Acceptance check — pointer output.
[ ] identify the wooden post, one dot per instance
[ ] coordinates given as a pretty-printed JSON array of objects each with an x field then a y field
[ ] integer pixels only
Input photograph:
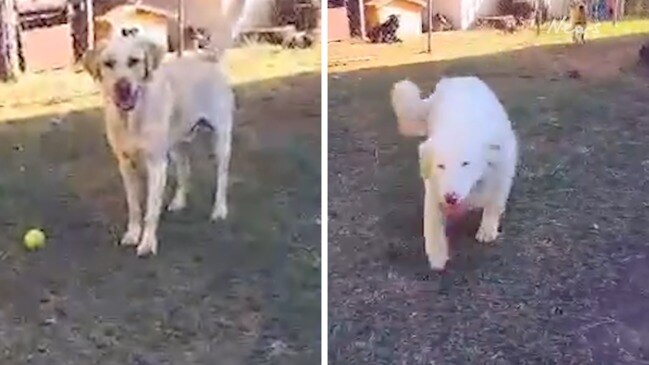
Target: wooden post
[
  {"x": 9, "y": 60},
  {"x": 361, "y": 17},
  {"x": 616, "y": 12},
  {"x": 537, "y": 16},
  {"x": 430, "y": 26},
  {"x": 90, "y": 21},
  {"x": 181, "y": 27}
]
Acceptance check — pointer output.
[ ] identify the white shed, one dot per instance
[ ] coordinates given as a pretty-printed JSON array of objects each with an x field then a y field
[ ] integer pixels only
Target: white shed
[
  {"x": 463, "y": 13},
  {"x": 408, "y": 11}
]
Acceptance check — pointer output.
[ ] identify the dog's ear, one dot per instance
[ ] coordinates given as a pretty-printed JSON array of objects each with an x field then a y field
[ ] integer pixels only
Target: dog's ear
[
  {"x": 90, "y": 61},
  {"x": 103, "y": 30},
  {"x": 425, "y": 160},
  {"x": 153, "y": 55}
]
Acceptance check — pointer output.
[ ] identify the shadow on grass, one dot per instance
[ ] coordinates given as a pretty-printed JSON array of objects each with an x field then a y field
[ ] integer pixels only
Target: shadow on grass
[
  {"x": 244, "y": 290},
  {"x": 560, "y": 285}
]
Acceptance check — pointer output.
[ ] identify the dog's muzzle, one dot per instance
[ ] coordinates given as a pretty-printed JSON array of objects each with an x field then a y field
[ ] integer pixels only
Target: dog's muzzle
[
  {"x": 125, "y": 95},
  {"x": 453, "y": 206}
]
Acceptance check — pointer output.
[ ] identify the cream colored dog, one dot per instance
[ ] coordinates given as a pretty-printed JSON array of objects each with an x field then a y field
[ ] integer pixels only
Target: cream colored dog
[
  {"x": 468, "y": 159},
  {"x": 152, "y": 110}
]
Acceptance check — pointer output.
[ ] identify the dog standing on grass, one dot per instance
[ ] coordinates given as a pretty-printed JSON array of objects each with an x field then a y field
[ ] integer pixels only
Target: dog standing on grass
[
  {"x": 468, "y": 160},
  {"x": 152, "y": 109},
  {"x": 578, "y": 22}
]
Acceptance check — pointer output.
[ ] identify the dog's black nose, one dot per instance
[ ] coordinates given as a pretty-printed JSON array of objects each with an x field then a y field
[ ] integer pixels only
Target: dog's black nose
[
  {"x": 451, "y": 198},
  {"x": 122, "y": 88}
]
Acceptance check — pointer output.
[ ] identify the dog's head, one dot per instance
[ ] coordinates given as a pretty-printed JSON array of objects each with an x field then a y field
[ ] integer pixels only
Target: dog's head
[
  {"x": 579, "y": 6},
  {"x": 455, "y": 165},
  {"x": 122, "y": 65},
  {"x": 393, "y": 20}
]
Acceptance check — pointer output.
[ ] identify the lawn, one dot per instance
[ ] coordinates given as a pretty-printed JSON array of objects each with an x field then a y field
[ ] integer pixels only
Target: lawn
[
  {"x": 564, "y": 283},
  {"x": 242, "y": 291}
]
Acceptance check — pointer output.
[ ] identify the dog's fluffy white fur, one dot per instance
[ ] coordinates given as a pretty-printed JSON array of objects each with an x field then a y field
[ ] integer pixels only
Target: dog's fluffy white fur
[
  {"x": 469, "y": 157},
  {"x": 152, "y": 110}
]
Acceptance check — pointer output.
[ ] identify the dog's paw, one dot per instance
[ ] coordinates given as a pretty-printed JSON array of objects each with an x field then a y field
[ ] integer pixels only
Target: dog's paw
[
  {"x": 219, "y": 212},
  {"x": 487, "y": 233},
  {"x": 132, "y": 236},
  {"x": 148, "y": 245},
  {"x": 179, "y": 202},
  {"x": 437, "y": 262}
]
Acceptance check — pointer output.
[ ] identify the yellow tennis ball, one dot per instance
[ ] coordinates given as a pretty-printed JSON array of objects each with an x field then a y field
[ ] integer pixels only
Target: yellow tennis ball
[{"x": 34, "y": 239}]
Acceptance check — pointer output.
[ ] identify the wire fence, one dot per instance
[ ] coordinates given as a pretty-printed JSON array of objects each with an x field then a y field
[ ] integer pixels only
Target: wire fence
[
  {"x": 514, "y": 14},
  {"x": 636, "y": 9},
  {"x": 302, "y": 14}
]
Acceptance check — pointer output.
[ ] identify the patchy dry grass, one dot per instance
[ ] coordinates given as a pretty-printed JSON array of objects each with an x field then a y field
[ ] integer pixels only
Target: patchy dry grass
[
  {"x": 245, "y": 290},
  {"x": 564, "y": 283}
]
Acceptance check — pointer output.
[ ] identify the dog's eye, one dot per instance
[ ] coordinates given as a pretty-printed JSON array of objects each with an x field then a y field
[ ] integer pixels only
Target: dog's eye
[
  {"x": 128, "y": 32},
  {"x": 465, "y": 163},
  {"x": 441, "y": 166},
  {"x": 109, "y": 64},
  {"x": 132, "y": 61}
]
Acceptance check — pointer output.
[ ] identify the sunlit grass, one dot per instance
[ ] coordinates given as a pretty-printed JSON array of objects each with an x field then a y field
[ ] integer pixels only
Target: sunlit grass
[
  {"x": 346, "y": 56},
  {"x": 61, "y": 91}
]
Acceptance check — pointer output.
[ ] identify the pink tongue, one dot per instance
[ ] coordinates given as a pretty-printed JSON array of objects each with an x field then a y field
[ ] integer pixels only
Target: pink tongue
[
  {"x": 455, "y": 211},
  {"x": 125, "y": 97}
]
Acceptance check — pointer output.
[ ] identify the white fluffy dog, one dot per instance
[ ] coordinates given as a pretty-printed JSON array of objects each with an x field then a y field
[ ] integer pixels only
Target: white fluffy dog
[
  {"x": 468, "y": 159},
  {"x": 152, "y": 109}
]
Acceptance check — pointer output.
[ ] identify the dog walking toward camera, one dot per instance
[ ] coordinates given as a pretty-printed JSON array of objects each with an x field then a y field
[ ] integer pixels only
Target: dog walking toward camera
[
  {"x": 152, "y": 109},
  {"x": 578, "y": 22},
  {"x": 468, "y": 160}
]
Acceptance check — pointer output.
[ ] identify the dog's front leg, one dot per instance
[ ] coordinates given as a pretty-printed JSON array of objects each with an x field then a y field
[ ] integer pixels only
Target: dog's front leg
[
  {"x": 223, "y": 146},
  {"x": 133, "y": 188},
  {"x": 180, "y": 159},
  {"x": 157, "y": 178},
  {"x": 492, "y": 210},
  {"x": 436, "y": 243},
  {"x": 488, "y": 231},
  {"x": 498, "y": 189}
]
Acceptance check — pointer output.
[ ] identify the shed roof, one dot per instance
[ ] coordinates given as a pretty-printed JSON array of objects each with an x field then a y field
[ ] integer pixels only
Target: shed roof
[{"x": 382, "y": 3}]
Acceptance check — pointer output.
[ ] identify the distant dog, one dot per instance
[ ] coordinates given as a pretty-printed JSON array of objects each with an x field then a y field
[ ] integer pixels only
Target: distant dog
[
  {"x": 385, "y": 32},
  {"x": 439, "y": 23},
  {"x": 468, "y": 159},
  {"x": 578, "y": 22},
  {"x": 206, "y": 27},
  {"x": 152, "y": 110},
  {"x": 644, "y": 54}
]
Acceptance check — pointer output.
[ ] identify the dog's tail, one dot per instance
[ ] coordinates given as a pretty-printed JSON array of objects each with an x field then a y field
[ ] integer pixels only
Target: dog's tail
[
  {"x": 220, "y": 22},
  {"x": 410, "y": 108}
]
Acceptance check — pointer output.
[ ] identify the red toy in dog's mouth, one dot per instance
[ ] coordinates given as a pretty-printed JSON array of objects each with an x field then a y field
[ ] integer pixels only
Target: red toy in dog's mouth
[
  {"x": 125, "y": 95},
  {"x": 454, "y": 211}
]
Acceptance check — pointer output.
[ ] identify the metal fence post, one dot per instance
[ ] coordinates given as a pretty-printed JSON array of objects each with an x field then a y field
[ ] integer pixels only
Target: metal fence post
[
  {"x": 537, "y": 16},
  {"x": 181, "y": 27},
  {"x": 361, "y": 17},
  {"x": 90, "y": 20},
  {"x": 430, "y": 26}
]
